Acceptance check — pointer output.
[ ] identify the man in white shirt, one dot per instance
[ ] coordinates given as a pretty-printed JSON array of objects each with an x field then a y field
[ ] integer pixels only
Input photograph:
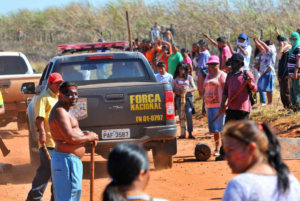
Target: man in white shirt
[
  {"x": 163, "y": 75},
  {"x": 156, "y": 28}
]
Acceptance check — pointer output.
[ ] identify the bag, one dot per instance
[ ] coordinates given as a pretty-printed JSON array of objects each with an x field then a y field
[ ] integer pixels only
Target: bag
[{"x": 252, "y": 99}]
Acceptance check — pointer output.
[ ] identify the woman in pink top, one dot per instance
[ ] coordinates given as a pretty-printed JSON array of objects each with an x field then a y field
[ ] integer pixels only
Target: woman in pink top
[
  {"x": 187, "y": 60},
  {"x": 213, "y": 90}
]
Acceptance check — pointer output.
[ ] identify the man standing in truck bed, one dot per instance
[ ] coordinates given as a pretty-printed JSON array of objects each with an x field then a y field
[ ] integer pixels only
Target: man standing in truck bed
[
  {"x": 43, "y": 107},
  {"x": 67, "y": 170}
]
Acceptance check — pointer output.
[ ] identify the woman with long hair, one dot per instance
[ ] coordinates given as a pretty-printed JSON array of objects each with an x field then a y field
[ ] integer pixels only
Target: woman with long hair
[
  {"x": 182, "y": 78},
  {"x": 213, "y": 91},
  {"x": 128, "y": 168},
  {"x": 253, "y": 151}
]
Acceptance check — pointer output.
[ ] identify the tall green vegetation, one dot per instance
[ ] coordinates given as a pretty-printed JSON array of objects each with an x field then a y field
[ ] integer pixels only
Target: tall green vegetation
[{"x": 191, "y": 17}]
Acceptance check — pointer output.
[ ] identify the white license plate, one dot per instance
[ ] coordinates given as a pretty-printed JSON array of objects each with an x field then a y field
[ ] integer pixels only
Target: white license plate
[{"x": 116, "y": 134}]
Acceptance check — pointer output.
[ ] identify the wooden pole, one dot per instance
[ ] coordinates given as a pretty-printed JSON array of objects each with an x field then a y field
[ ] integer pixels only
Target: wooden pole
[
  {"x": 92, "y": 172},
  {"x": 129, "y": 34}
]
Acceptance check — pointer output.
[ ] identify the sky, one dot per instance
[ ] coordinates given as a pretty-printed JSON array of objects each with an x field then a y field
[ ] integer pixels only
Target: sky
[{"x": 8, "y": 6}]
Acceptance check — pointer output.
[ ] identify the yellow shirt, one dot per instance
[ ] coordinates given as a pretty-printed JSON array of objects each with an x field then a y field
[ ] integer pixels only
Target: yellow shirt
[
  {"x": 1, "y": 100},
  {"x": 43, "y": 107}
]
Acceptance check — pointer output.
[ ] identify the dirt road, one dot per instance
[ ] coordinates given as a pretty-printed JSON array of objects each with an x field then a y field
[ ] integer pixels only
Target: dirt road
[{"x": 187, "y": 180}]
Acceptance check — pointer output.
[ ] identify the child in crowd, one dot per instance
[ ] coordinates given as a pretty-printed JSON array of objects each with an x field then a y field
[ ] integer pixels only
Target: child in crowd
[{"x": 182, "y": 78}]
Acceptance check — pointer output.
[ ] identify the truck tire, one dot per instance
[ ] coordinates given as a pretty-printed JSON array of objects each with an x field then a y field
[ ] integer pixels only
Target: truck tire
[
  {"x": 162, "y": 161},
  {"x": 34, "y": 157}
]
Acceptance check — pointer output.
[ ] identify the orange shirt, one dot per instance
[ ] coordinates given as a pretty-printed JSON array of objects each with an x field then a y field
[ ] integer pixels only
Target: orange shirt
[
  {"x": 150, "y": 55},
  {"x": 165, "y": 60},
  {"x": 169, "y": 35},
  {"x": 158, "y": 49}
]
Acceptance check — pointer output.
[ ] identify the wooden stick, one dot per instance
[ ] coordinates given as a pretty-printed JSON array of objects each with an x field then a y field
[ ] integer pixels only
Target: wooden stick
[
  {"x": 92, "y": 172},
  {"x": 47, "y": 153},
  {"x": 129, "y": 34}
]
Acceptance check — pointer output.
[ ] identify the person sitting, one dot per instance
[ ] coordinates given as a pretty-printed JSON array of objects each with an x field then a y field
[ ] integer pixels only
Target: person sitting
[
  {"x": 70, "y": 74},
  {"x": 120, "y": 71},
  {"x": 253, "y": 151},
  {"x": 128, "y": 168}
]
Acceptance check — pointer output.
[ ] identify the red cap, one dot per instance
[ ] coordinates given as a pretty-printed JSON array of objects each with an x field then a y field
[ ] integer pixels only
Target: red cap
[{"x": 55, "y": 77}]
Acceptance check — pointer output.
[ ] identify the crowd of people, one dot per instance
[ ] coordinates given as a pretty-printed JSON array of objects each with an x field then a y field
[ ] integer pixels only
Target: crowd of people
[
  {"x": 227, "y": 89},
  {"x": 234, "y": 76}
]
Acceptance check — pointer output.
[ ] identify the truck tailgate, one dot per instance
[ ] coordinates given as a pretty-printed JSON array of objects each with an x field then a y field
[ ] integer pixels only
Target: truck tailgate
[{"x": 127, "y": 105}]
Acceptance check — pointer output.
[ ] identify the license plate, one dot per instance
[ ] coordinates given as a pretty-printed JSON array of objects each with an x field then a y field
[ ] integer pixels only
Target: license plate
[{"x": 116, "y": 134}]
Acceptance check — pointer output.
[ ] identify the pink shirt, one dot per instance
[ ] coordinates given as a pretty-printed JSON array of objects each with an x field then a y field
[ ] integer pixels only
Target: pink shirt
[
  {"x": 214, "y": 90},
  {"x": 233, "y": 84},
  {"x": 226, "y": 53},
  {"x": 187, "y": 60}
]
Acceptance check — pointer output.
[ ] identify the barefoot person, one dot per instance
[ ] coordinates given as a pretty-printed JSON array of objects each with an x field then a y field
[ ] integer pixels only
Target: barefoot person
[
  {"x": 70, "y": 142},
  {"x": 43, "y": 106}
]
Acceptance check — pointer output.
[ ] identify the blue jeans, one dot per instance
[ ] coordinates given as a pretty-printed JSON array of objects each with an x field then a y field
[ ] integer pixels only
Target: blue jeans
[
  {"x": 67, "y": 172},
  {"x": 42, "y": 177},
  {"x": 262, "y": 97},
  {"x": 188, "y": 113}
]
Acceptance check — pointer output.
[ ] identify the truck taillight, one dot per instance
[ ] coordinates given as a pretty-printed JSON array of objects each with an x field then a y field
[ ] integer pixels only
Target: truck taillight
[{"x": 169, "y": 100}]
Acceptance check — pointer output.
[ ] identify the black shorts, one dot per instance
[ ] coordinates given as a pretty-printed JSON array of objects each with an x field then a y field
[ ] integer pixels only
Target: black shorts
[{"x": 236, "y": 115}]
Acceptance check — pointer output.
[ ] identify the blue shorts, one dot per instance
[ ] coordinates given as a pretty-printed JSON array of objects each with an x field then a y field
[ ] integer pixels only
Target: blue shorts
[
  {"x": 266, "y": 82},
  {"x": 217, "y": 126},
  {"x": 67, "y": 172}
]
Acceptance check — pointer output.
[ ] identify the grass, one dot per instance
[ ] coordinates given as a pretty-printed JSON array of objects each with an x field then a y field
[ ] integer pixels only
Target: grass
[{"x": 81, "y": 22}]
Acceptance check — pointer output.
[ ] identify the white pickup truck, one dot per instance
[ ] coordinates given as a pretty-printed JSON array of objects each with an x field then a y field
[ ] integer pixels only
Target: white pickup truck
[{"x": 15, "y": 69}]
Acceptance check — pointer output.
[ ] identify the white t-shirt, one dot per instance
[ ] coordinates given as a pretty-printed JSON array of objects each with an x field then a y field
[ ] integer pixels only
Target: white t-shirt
[
  {"x": 258, "y": 187},
  {"x": 157, "y": 30},
  {"x": 247, "y": 58}
]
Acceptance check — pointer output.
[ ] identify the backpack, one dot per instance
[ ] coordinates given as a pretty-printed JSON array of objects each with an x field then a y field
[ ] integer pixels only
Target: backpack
[{"x": 252, "y": 99}]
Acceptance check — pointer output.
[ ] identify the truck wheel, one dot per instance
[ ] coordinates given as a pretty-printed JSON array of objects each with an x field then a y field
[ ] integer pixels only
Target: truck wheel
[
  {"x": 163, "y": 161},
  {"x": 34, "y": 157}
]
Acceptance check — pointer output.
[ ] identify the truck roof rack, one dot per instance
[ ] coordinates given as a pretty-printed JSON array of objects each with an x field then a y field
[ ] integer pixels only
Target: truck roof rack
[{"x": 80, "y": 47}]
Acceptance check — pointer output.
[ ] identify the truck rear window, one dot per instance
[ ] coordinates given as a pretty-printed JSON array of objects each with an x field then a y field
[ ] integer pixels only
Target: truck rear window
[
  {"x": 12, "y": 65},
  {"x": 104, "y": 71}
]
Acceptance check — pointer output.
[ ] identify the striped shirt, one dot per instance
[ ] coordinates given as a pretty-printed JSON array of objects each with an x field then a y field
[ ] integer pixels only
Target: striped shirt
[{"x": 293, "y": 61}]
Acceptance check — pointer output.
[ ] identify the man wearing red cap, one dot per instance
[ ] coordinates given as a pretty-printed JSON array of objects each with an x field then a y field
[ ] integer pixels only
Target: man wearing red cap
[{"x": 43, "y": 107}]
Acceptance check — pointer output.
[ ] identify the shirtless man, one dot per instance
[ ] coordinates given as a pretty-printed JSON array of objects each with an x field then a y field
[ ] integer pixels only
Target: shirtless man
[{"x": 70, "y": 142}]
